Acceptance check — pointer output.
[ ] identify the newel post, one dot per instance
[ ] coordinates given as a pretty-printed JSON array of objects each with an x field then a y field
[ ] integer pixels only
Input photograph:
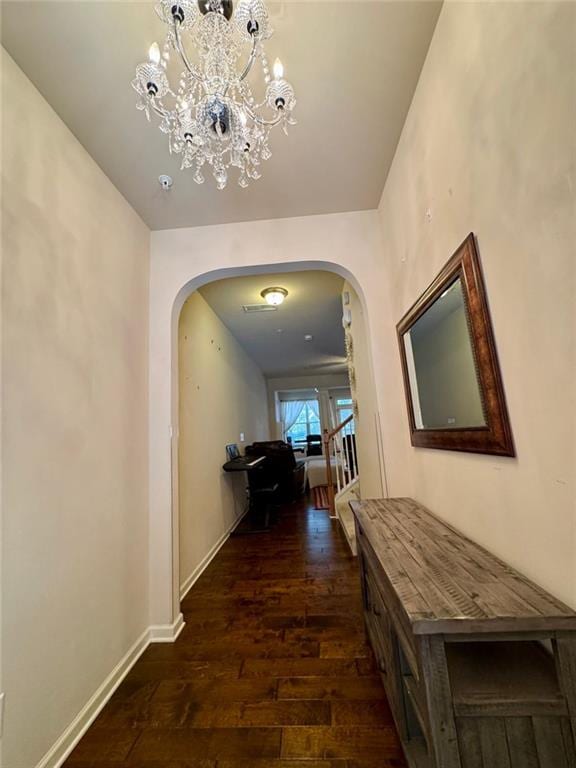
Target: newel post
[{"x": 329, "y": 481}]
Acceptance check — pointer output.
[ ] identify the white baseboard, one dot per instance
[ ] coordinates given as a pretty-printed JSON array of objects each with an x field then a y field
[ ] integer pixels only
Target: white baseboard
[
  {"x": 199, "y": 570},
  {"x": 58, "y": 753},
  {"x": 163, "y": 633},
  {"x": 78, "y": 727},
  {"x": 166, "y": 633}
]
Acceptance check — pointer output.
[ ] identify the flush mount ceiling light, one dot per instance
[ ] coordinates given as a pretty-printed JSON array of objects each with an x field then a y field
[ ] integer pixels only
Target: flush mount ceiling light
[
  {"x": 274, "y": 296},
  {"x": 212, "y": 115}
]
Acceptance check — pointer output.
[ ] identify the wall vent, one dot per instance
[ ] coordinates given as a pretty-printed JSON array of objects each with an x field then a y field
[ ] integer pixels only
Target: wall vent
[{"x": 258, "y": 308}]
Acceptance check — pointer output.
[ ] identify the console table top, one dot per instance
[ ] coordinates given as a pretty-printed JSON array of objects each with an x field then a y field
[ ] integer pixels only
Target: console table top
[{"x": 447, "y": 584}]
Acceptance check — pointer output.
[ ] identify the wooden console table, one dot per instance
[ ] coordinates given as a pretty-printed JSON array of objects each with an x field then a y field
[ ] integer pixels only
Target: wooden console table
[{"x": 479, "y": 663}]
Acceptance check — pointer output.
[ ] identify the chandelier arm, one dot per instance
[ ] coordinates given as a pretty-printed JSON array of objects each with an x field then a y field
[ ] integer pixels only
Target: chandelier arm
[
  {"x": 261, "y": 120},
  {"x": 251, "y": 60},
  {"x": 182, "y": 52},
  {"x": 160, "y": 111}
]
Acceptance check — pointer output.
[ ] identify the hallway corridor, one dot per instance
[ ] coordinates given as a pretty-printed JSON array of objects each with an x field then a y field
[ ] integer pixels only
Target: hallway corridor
[{"x": 271, "y": 670}]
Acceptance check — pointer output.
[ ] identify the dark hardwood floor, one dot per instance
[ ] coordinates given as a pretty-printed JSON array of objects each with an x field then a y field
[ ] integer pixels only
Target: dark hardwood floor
[{"x": 271, "y": 670}]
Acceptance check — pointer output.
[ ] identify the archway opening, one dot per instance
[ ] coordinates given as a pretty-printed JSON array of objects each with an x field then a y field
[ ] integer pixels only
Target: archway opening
[{"x": 202, "y": 326}]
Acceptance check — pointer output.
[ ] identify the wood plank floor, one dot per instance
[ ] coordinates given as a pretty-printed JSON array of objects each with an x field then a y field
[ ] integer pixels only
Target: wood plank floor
[{"x": 271, "y": 670}]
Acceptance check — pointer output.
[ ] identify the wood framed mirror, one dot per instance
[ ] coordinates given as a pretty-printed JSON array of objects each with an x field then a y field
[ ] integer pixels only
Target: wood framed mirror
[{"x": 452, "y": 379}]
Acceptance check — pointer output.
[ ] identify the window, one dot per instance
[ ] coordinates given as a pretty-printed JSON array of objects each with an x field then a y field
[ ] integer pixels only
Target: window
[
  {"x": 344, "y": 409},
  {"x": 307, "y": 422}
]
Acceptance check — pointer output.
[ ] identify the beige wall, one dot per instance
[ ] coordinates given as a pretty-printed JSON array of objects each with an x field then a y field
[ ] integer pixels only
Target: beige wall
[
  {"x": 489, "y": 147},
  {"x": 372, "y": 478},
  {"x": 74, "y": 435},
  {"x": 222, "y": 394}
]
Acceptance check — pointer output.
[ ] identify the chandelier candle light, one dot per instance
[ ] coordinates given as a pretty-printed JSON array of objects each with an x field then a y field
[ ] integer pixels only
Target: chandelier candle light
[{"x": 213, "y": 116}]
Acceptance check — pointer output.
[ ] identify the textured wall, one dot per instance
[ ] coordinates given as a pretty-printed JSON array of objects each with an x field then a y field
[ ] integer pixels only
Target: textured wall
[
  {"x": 74, "y": 434},
  {"x": 489, "y": 147},
  {"x": 222, "y": 393}
]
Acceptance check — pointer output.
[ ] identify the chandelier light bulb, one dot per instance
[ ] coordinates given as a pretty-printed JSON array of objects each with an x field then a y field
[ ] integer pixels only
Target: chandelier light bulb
[
  {"x": 243, "y": 118},
  {"x": 278, "y": 69},
  {"x": 274, "y": 296},
  {"x": 154, "y": 53}
]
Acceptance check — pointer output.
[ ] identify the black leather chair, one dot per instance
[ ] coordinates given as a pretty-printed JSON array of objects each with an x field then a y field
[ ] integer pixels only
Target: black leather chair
[
  {"x": 313, "y": 445},
  {"x": 281, "y": 467}
]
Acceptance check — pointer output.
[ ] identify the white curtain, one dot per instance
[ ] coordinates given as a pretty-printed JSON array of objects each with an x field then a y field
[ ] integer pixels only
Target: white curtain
[
  {"x": 333, "y": 413},
  {"x": 289, "y": 412},
  {"x": 325, "y": 414},
  {"x": 314, "y": 407}
]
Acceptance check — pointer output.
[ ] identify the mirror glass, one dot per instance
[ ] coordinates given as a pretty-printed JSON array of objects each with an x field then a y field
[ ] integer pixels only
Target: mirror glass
[{"x": 441, "y": 367}]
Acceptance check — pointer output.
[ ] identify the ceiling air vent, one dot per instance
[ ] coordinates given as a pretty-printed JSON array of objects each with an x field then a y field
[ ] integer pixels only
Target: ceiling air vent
[{"x": 258, "y": 308}]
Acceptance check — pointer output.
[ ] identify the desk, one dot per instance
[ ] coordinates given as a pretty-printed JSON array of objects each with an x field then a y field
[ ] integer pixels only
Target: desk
[
  {"x": 259, "y": 499},
  {"x": 243, "y": 464}
]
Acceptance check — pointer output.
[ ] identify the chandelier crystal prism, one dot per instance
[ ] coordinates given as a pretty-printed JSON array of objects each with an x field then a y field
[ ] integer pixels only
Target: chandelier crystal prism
[{"x": 213, "y": 117}]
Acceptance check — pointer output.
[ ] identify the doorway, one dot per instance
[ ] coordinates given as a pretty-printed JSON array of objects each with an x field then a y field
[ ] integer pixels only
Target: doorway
[{"x": 246, "y": 376}]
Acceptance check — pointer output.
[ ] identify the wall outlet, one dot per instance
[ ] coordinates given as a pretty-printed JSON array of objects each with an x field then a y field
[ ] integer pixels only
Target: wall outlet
[{"x": 241, "y": 437}]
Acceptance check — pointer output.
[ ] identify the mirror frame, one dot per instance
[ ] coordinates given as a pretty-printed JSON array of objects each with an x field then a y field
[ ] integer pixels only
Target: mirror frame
[{"x": 496, "y": 436}]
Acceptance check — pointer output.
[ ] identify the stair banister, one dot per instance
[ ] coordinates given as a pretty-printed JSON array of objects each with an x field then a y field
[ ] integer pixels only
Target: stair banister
[{"x": 329, "y": 444}]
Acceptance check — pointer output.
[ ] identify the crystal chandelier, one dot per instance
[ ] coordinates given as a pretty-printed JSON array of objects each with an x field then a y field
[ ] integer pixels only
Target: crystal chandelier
[{"x": 213, "y": 117}]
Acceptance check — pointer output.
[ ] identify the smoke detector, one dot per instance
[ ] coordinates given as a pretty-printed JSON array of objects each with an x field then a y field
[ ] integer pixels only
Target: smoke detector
[{"x": 165, "y": 181}]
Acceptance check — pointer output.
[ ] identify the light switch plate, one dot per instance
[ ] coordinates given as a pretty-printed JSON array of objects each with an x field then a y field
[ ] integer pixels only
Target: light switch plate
[{"x": 241, "y": 437}]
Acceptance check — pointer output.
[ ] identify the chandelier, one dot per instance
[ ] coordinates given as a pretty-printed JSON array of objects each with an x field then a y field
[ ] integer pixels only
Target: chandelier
[{"x": 213, "y": 117}]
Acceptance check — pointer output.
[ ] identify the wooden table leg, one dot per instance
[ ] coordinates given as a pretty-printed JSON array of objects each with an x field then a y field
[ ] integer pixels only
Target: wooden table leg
[
  {"x": 439, "y": 695},
  {"x": 565, "y": 653}
]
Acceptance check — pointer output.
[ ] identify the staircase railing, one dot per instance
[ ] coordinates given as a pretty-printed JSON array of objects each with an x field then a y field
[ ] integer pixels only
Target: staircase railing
[{"x": 341, "y": 459}]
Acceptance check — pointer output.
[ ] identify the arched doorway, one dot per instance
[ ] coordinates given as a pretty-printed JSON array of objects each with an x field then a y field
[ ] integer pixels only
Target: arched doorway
[{"x": 180, "y": 265}]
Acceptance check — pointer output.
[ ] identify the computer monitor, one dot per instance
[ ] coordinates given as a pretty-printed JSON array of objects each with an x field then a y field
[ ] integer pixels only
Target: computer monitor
[{"x": 232, "y": 451}]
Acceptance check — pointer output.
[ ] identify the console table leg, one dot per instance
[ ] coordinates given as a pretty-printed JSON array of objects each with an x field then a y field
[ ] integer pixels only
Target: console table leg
[
  {"x": 565, "y": 652},
  {"x": 441, "y": 713}
]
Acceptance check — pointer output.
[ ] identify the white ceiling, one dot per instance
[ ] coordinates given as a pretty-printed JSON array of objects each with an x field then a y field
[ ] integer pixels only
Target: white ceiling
[
  {"x": 354, "y": 66},
  {"x": 313, "y": 306}
]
